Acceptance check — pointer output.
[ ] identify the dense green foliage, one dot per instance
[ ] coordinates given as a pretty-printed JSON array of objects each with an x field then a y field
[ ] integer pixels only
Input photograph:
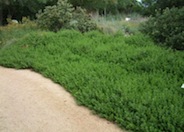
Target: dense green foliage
[
  {"x": 127, "y": 80},
  {"x": 108, "y": 6},
  {"x": 167, "y": 28},
  {"x": 150, "y": 7},
  {"x": 63, "y": 15},
  {"x": 16, "y": 9}
]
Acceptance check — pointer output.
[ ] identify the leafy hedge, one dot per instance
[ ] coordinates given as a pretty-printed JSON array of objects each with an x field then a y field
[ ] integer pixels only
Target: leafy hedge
[{"x": 167, "y": 28}]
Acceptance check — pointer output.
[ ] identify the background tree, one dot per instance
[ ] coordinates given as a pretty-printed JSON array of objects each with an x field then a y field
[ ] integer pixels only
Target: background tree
[
  {"x": 1, "y": 15},
  {"x": 16, "y": 9},
  {"x": 150, "y": 7},
  {"x": 107, "y": 6}
]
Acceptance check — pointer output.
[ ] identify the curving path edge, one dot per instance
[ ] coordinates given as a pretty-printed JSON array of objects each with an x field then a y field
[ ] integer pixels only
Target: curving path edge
[{"x": 31, "y": 103}]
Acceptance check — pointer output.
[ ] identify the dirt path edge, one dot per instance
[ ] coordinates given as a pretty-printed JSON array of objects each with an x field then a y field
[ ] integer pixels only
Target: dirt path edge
[{"x": 31, "y": 103}]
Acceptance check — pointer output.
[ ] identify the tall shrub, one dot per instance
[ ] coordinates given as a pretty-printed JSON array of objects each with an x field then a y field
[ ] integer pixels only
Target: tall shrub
[
  {"x": 81, "y": 21},
  {"x": 55, "y": 17},
  {"x": 63, "y": 15},
  {"x": 167, "y": 28}
]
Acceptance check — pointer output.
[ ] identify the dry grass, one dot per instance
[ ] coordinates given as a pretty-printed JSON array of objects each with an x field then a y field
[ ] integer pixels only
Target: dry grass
[{"x": 112, "y": 24}]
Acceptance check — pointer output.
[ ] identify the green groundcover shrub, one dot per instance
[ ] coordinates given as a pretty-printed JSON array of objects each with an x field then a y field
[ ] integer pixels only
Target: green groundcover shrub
[
  {"x": 127, "y": 80},
  {"x": 64, "y": 16},
  {"x": 167, "y": 28}
]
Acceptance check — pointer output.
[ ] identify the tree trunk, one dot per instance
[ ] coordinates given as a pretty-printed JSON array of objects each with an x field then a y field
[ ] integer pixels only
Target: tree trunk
[
  {"x": 1, "y": 16},
  {"x": 105, "y": 12},
  {"x": 98, "y": 12}
]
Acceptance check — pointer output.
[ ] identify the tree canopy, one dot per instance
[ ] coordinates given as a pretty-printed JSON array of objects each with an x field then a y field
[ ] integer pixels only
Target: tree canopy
[
  {"x": 151, "y": 6},
  {"x": 107, "y": 6},
  {"x": 16, "y": 9}
]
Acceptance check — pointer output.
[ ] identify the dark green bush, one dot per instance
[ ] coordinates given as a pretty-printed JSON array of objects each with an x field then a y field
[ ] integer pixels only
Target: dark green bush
[
  {"x": 167, "y": 28},
  {"x": 63, "y": 15}
]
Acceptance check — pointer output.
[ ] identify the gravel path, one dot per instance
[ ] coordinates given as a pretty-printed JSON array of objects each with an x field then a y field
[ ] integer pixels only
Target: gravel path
[{"x": 31, "y": 103}]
